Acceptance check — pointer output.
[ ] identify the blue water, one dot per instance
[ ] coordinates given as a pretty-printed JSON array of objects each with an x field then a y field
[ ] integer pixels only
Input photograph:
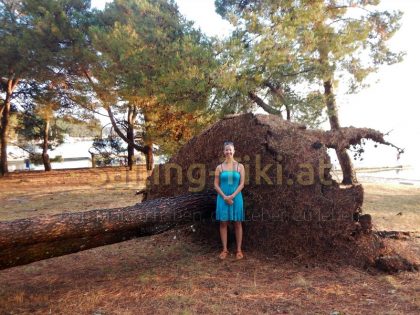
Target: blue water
[
  {"x": 406, "y": 175},
  {"x": 73, "y": 149},
  {"x": 402, "y": 176}
]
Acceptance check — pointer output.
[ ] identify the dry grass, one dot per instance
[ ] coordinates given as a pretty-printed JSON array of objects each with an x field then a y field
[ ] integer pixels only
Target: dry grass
[
  {"x": 393, "y": 206},
  {"x": 33, "y": 201},
  {"x": 161, "y": 274}
]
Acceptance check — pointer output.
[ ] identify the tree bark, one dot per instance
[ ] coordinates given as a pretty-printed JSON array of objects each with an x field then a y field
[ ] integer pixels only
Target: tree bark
[
  {"x": 4, "y": 132},
  {"x": 288, "y": 114},
  {"x": 27, "y": 240},
  {"x": 149, "y": 157},
  {"x": 130, "y": 136},
  {"x": 45, "y": 156},
  {"x": 280, "y": 94},
  {"x": 349, "y": 175},
  {"x": 130, "y": 149},
  {"x": 148, "y": 142},
  {"x": 93, "y": 159},
  {"x": 255, "y": 98}
]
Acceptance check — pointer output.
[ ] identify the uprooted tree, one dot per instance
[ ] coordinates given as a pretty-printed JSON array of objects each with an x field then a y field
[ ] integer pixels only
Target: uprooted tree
[
  {"x": 292, "y": 55},
  {"x": 293, "y": 205}
]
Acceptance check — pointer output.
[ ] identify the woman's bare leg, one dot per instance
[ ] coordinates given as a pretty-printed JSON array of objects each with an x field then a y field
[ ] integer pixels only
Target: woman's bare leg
[
  {"x": 238, "y": 235},
  {"x": 223, "y": 233}
]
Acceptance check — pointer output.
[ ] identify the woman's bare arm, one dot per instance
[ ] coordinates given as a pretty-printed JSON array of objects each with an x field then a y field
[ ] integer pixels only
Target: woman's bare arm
[
  {"x": 241, "y": 183},
  {"x": 217, "y": 182}
]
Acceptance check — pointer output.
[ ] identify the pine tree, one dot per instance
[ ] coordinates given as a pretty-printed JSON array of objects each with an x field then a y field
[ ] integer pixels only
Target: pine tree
[
  {"x": 38, "y": 37},
  {"x": 152, "y": 67},
  {"x": 307, "y": 46}
]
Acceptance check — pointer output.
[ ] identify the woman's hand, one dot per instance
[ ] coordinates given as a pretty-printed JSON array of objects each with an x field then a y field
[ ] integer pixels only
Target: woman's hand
[{"x": 229, "y": 199}]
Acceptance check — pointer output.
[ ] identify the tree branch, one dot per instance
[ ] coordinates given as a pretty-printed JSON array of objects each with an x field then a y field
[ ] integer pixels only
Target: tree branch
[
  {"x": 255, "y": 98},
  {"x": 346, "y": 136},
  {"x": 112, "y": 118},
  {"x": 121, "y": 134},
  {"x": 277, "y": 91}
]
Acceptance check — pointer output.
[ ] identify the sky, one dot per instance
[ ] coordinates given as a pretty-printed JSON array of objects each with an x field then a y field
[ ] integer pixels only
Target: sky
[{"x": 390, "y": 104}]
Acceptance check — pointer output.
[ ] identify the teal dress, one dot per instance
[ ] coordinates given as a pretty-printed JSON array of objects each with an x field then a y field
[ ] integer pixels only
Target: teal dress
[{"x": 229, "y": 182}]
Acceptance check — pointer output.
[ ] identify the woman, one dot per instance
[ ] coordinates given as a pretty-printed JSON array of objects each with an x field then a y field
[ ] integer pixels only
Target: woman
[{"x": 228, "y": 181}]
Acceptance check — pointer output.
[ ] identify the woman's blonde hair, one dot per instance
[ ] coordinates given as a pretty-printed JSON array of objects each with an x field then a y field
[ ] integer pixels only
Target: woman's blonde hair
[{"x": 228, "y": 143}]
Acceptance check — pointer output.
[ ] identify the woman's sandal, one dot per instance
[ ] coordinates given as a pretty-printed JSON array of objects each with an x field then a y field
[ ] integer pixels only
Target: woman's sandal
[
  {"x": 223, "y": 254},
  {"x": 239, "y": 255}
]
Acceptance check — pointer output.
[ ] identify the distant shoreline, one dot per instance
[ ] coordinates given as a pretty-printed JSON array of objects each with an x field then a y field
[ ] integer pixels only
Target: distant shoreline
[
  {"x": 373, "y": 169},
  {"x": 400, "y": 174}
]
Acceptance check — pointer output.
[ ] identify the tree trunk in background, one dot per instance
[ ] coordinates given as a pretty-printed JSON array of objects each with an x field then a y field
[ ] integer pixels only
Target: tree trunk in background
[
  {"x": 130, "y": 148},
  {"x": 349, "y": 175},
  {"x": 45, "y": 156},
  {"x": 93, "y": 159},
  {"x": 4, "y": 134},
  {"x": 27, "y": 240},
  {"x": 149, "y": 157},
  {"x": 148, "y": 148},
  {"x": 130, "y": 136},
  {"x": 288, "y": 117},
  {"x": 11, "y": 85}
]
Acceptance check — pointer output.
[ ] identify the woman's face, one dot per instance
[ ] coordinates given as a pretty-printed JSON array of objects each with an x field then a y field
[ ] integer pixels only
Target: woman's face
[{"x": 229, "y": 151}]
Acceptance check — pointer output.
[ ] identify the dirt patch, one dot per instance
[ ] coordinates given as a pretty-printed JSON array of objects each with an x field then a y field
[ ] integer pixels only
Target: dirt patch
[
  {"x": 169, "y": 273},
  {"x": 173, "y": 273}
]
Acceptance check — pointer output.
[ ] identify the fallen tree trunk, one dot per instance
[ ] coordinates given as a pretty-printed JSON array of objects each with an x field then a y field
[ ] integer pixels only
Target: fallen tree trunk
[{"x": 28, "y": 240}]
